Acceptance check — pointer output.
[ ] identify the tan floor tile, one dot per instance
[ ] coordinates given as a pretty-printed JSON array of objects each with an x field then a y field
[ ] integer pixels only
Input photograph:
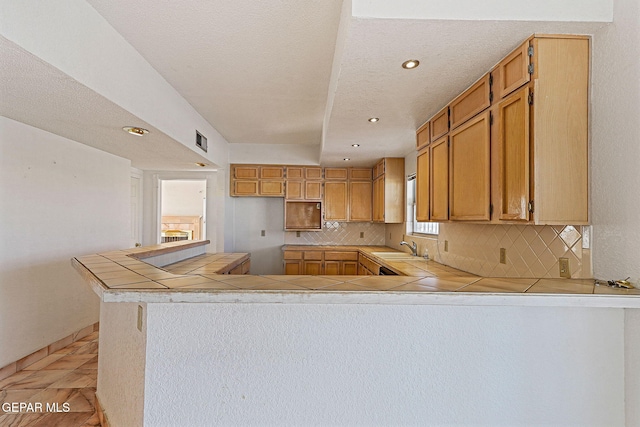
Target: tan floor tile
[
  {"x": 70, "y": 362},
  {"x": 68, "y": 419},
  {"x": 42, "y": 363},
  {"x": 89, "y": 348},
  {"x": 94, "y": 421},
  {"x": 79, "y": 378},
  {"x": 39, "y": 379},
  {"x": 16, "y": 396},
  {"x": 15, "y": 378},
  {"x": 90, "y": 364},
  {"x": 20, "y": 420},
  {"x": 77, "y": 400}
]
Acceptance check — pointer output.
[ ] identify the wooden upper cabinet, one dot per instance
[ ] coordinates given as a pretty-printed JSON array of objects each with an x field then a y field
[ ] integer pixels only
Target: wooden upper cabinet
[
  {"x": 423, "y": 185},
  {"x": 360, "y": 174},
  {"x": 388, "y": 191},
  {"x": 439, "y": 177},
  {"x": 245, "y": 188},
  {"x": 295, "y": 172},
  {"x": 335, "y": 201},
  {"x": 271, "y": 188},
  {"x": 245, "y": 172},
  {"x": 313, "y": 173},
  {"x": 560, "y": 130},
  {"x": 271, "y": 172},
  {"x": 294, "y": 190},
  {"x": 360, "y": 200},
  {"x": 470, "y": 170},
  {"x": 471, "y": 102},
  {"x": 513, "y": 71},
  {"x": 335, "y": 173},
  {"x": 439, "y": 124},
  {"x": 422, "y": 136},
  {"x": 313, "y": 190},
  {"x": 378, "y": 169},
  {"x": 514, "y": 160}
]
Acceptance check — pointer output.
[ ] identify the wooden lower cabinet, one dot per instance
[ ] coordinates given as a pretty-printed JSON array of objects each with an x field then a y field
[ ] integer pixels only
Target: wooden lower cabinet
[
  {"x": 313, "y": 268},
  {"x": 243, "y": 268},
  {"x": 293, "y": 267},
  {"x": 329, "y": 262}
]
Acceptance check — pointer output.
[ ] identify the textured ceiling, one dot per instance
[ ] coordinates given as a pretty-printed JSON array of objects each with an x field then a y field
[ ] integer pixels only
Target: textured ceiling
[{"x": 265, "y": 73}]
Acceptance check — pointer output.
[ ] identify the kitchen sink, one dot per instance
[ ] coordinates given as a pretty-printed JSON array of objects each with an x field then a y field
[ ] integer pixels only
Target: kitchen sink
[{"x": 394, "y": 256}]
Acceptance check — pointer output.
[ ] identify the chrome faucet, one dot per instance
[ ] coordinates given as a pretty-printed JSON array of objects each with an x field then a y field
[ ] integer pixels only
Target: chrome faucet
[{"x": 414, "y": 247}]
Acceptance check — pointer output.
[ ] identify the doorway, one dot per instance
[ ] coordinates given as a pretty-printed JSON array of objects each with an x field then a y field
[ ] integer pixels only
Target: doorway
[{"x": 183, "y": 205}]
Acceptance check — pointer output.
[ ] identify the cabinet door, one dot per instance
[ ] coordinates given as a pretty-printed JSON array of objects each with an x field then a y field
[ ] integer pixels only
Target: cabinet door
[
  {"x": 295, "y": 172},
  {"x": 335, "y": 173},
  {"x": 271, "y": 172},
  {"x": 271, "y": 188},
  {"x": 378, "y": 199},
  {"x": 360, "y": 200},
  {"x": 245, "y": 188},
  {"x": 245, "y": 172},
  {"x": 313, "y": 268},
  {"x": 294, "y": 190},
  {"x": 514, "y": 156},
  {"x": 332, "y": 268},
  {"x": 422, "y": 136},
  {"x": 313, "y": 190},
  {"x": 293, "y": 267},
  {"x": 349, "y": 268},
  {"x": 423, "y": 185},
  {"x": 313, "y": 173},
  {"x": 439, "y": 124},
  {"x": 470, "y": 170},
  {"x": 360, "y": 174},
  {"x": 439, "y": 208},
  {"x": 513, "y": 71},
  {"x": 335, "y": 200},
  {"x": 471, "y": 102}
]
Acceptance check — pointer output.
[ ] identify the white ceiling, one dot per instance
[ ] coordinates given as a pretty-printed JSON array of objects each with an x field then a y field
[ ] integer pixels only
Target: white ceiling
[{"x": 264, "y": 73}]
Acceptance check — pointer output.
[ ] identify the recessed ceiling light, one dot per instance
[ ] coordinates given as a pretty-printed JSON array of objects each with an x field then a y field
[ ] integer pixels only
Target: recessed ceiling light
[
  {"x": 355, "y": 145},
  {"x": 201, "y": 164},
  {"x": 374, "y": 119},
  {"x": 346, "y": 159},
  {"x": 410, "y": 64},
  {"x": 135, "y": 130}
]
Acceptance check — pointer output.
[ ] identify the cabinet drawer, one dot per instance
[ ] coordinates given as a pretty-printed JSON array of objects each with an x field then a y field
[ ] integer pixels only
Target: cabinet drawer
[
  {"x": 293, "y": 254},
  {"x": 472, "y": 101},
  {"x": 340, "y": 256},
  {"x": 439, "y": 124},
  {"x": 313, "y": 255}
]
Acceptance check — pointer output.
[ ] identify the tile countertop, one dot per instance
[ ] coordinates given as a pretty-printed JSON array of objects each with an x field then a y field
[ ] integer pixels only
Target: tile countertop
[{"x": 122, "y": 276}]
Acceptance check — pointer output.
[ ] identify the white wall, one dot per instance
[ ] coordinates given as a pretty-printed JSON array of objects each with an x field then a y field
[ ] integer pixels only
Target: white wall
[
  {"x": 183, "y": 198},
  {"x": 121, "y": 365},
  {"x": 58, "y": 199},
  {"x": 251, "y": 215},
  {"x": 342, "y": 364},
  {"x": 615, "y": 147}
]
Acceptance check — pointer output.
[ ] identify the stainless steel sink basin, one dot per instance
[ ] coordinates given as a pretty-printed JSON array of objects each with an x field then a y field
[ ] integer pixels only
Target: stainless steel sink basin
[{"x": 394, "y": 256}]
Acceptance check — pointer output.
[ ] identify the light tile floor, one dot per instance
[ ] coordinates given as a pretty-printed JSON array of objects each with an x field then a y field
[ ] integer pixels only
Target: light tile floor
[{"x": 67, "y": 376}]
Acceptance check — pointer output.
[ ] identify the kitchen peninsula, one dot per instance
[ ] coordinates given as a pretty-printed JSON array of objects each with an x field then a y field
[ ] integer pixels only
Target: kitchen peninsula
[{"x": 348, "y": 349}]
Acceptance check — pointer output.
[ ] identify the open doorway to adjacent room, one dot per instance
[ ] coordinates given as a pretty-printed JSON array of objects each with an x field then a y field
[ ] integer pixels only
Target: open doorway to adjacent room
[{"x": 183, "y": 209}]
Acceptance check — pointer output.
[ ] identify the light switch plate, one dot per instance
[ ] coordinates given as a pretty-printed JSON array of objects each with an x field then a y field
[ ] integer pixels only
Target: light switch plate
[{"x": 503, "y": 255}]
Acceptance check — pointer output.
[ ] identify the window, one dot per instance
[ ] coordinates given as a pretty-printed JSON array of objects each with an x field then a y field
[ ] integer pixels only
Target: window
[{"x": 414, "y": 226}]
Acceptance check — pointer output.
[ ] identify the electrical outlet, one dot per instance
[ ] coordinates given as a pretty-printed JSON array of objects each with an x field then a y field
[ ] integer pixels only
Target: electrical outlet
[
  {"x": 564, "y": 267},
  {"x": 297, "y": 234},
  {"x": 362, "y": 234},
  {"x": 263, "y": 233},
  {"x": 503, "y": 256},
  {"x": 140, "y": 318},
  {"x": 446, "y": 246}
]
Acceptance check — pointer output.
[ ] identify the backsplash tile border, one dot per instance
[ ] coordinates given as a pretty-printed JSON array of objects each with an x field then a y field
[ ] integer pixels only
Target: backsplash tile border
[{"x": 339, "y": 233}]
